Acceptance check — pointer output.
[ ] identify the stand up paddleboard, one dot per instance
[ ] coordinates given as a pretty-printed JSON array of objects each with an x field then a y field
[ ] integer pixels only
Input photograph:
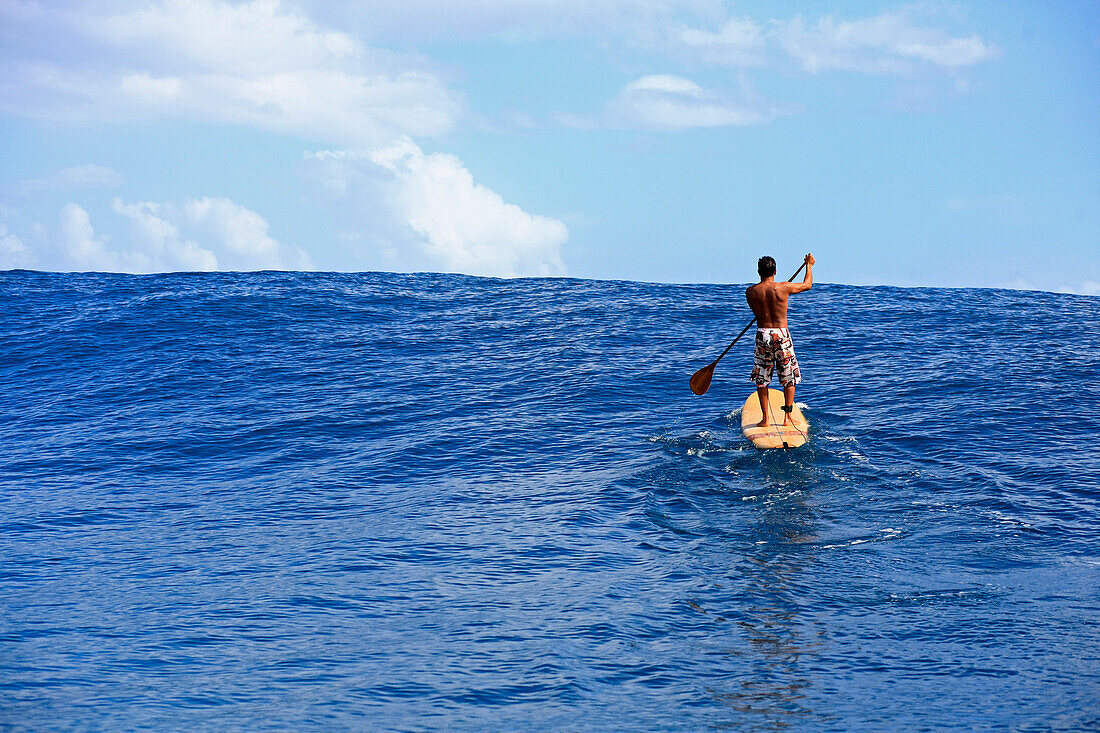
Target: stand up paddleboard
[{"x": 776, "y": 435}]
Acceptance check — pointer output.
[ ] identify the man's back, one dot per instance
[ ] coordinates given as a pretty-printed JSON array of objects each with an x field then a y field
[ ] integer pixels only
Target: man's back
[{"x": 768, "y": 301}]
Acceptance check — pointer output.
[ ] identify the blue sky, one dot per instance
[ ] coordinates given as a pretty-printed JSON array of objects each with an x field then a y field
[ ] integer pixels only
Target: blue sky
[{"x": 929, "y": 143}]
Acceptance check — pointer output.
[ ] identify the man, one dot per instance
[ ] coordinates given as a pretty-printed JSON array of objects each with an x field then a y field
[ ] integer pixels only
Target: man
[{"x": 768, "y": 300}]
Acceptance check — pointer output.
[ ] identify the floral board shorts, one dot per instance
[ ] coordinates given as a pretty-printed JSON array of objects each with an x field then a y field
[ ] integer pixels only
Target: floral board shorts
[{"x": 774, "y": 347}]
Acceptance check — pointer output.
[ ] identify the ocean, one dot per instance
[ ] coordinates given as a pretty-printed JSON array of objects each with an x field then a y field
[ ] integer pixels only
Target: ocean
[{"x": 303, "y": 501}]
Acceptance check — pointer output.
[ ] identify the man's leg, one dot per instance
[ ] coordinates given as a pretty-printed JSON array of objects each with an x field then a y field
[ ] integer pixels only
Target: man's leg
[
  {"x": 762, "y": 393},
  {"x": 788, "y": 401}
]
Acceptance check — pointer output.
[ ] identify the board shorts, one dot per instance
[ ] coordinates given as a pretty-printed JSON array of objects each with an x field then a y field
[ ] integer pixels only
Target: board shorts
[{"x": 774, "y": 348}]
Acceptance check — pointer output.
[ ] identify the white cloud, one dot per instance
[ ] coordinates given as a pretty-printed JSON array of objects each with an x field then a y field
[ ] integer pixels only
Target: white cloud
[
  {"x": 14, "y": 253},
  {"x": 202, "y": 235},
  {"x": 81, "y": 249},
  {"x": 1088, "y": 287},
  {"x": 75, "y": 177},
  {"x": 256, "y": 63},
  {"x": 668, "y": 102},
  {"x": 891, "y": 42},
  {"x": 739, "y": 42},
  {"x": 251, "y": 38},
  {"x": 1085, "y": 287},
  {"x": 887, "y": 43},
  {"x": 241, "y": 237},
  {"x": 158, "y": 239},
  {"x": 403, "y": 209}
]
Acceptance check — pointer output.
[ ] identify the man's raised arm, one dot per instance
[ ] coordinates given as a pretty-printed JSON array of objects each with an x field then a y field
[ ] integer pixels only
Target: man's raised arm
[{"x": 807, "y": 281}]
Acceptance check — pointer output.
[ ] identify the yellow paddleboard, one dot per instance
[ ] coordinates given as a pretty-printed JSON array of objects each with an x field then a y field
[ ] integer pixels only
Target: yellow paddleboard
[{"x": 776, "y": 435}]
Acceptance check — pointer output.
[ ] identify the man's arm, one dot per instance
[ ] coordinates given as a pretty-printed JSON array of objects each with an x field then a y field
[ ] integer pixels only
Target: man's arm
[{"x": 807, "y": 280}]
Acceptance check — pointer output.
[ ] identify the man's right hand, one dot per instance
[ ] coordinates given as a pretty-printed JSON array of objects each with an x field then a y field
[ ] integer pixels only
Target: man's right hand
[{"x": 810, "y": 260}]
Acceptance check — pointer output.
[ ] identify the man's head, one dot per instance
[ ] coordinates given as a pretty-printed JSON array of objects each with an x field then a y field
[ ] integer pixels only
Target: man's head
[{"x": 766, "y": 267}]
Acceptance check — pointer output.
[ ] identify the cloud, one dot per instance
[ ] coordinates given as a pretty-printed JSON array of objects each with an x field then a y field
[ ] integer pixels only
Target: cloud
[
  {"x": 252, "y": 38},
  {"x": 256, "y": 63},
  {"x": 1088, "y": 287},
  {"x": 1085, "y": 287},
  {"x": 202, "y": 235},
  {"x": 888, "y": 43},
  {"x": 667, "y": 102},
  {"x": 14, "y": 253},
  {"x": 81, "y": 249},
  {"x": 739, "y": 42},
  {"x": 240, "y": 237},
  {"x": 403, "y": 209},
  {"x": 75, "y": 177},
  {"x": 891, "y": 42},
  {"x": 158, "y": 240}
]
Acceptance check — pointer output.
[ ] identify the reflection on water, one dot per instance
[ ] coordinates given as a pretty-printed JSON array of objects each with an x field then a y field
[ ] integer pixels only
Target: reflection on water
[
  {"x": 759, "y": 542},
  {"x": 769, "y": 693}
]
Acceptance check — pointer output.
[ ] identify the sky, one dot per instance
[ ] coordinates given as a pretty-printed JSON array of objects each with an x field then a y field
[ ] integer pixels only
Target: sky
[{"x": 952, "y": 144}]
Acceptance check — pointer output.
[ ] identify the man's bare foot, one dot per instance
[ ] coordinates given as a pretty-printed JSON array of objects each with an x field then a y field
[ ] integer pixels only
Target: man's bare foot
[
  {"x": 788, "y": 420},
  {"x": 763, "y": 423}
]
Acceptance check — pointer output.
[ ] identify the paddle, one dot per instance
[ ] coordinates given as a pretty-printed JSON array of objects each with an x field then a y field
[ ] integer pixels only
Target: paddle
[{"x": 700, "y": 381}]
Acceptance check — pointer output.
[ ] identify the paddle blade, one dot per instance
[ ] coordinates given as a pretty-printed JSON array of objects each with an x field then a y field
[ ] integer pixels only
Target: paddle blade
[{"x": 700, "y": 381}]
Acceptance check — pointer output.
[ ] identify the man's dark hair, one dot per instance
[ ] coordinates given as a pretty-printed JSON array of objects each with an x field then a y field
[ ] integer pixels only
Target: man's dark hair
[{"x": 765, "y": 266}]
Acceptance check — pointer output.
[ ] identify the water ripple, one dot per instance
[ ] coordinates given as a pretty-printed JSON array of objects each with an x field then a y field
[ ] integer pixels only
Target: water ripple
[{"x": 306, "y": 501}]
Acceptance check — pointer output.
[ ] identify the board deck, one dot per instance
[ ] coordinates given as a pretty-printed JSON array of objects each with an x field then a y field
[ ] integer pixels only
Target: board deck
[{"x": 776, "y": 435}]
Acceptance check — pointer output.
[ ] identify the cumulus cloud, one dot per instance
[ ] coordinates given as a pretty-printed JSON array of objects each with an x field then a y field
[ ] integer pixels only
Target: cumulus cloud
[
  {"x": 158, "y": 242},
  {"x": 81, "y": 249},
  {"x": 409, "y": 210},
  {"x": 203, "y": 234},
  {"x": 891, "y": 42},
  {"x": 664, "y": 101},
  {"x": 240, "y": 237},
  {"x": 257, "y": 63},
  {"x": 14, "y": 252},
  {"x": 75, "y": 177}
]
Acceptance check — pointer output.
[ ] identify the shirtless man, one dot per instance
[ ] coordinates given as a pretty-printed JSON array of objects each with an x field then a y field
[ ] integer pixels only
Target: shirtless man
[{"x": 768, "y": 300}]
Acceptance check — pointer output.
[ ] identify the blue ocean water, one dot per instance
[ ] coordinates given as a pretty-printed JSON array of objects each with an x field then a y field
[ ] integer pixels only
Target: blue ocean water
[{"x": 416, "y": 502}]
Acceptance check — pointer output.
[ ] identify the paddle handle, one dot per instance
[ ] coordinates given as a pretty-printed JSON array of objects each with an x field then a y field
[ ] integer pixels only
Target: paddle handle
[{"x": 746, "y": 328}]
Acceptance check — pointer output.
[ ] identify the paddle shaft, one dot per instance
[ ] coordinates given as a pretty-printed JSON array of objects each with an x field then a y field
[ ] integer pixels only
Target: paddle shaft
[{"x": 746, "y": 328}]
